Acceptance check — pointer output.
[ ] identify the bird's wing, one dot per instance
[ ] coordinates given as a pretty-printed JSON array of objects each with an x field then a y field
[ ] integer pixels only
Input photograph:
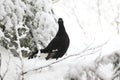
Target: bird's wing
[{"x": 54, "y": 44}]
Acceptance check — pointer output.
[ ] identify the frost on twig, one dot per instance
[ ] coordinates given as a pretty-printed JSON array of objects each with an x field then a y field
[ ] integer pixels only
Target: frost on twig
[{"x": 105, "y": 68}]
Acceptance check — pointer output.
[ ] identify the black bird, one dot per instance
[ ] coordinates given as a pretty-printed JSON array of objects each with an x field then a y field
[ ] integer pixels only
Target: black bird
[{"x": 59, "y": 44}]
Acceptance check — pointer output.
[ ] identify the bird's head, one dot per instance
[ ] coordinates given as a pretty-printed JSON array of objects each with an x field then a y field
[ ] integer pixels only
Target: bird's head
[{"x": 60, "y": 20}]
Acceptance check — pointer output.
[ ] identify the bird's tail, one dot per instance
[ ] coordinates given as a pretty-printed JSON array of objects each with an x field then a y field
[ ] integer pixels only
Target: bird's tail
[
  {"x": 42, "y": 51},
  {"x": 45, "y": 51}
]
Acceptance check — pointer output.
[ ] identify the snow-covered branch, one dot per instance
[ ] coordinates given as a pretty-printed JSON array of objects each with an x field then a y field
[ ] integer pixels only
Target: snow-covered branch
[{"x": 80, "y": 54}]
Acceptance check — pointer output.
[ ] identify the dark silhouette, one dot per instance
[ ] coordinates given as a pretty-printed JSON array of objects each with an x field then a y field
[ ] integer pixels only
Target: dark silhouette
[{"x": 59, "y": 45}]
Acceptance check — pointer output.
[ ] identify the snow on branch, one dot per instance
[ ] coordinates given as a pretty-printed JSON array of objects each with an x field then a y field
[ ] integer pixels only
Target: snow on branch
[{"x": 77, "y": 54}]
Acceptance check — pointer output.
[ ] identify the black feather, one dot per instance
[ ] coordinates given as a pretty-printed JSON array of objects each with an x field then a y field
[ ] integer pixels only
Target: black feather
[{"x": 59, "y": 44}]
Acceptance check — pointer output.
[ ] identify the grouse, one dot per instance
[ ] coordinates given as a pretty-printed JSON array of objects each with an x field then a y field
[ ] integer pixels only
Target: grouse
[{"x": 59, "y": 44}]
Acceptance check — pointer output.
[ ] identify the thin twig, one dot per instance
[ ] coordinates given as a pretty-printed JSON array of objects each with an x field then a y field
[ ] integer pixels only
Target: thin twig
[{"x": 4, "y": 74}]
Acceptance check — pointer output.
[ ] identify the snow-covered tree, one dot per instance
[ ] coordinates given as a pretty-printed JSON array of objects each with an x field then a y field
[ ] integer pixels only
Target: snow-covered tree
[{"x": 26, "y": 25}]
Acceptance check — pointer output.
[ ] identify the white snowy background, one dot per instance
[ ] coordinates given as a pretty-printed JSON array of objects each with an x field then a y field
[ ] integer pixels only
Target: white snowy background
[{"x": 94, "y": 30}]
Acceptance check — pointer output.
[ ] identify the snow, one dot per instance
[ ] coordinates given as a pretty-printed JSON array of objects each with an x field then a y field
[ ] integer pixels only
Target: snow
[
  {"x": 1, "y": 34},
  {"x": 87, "y": 23},
  {"x": 103, "y": 69}
]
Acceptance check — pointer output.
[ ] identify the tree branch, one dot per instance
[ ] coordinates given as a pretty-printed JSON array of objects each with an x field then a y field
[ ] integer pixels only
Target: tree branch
[
  {"x": 83, "y": 51},
  {"x": 4, "y": 74}
]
